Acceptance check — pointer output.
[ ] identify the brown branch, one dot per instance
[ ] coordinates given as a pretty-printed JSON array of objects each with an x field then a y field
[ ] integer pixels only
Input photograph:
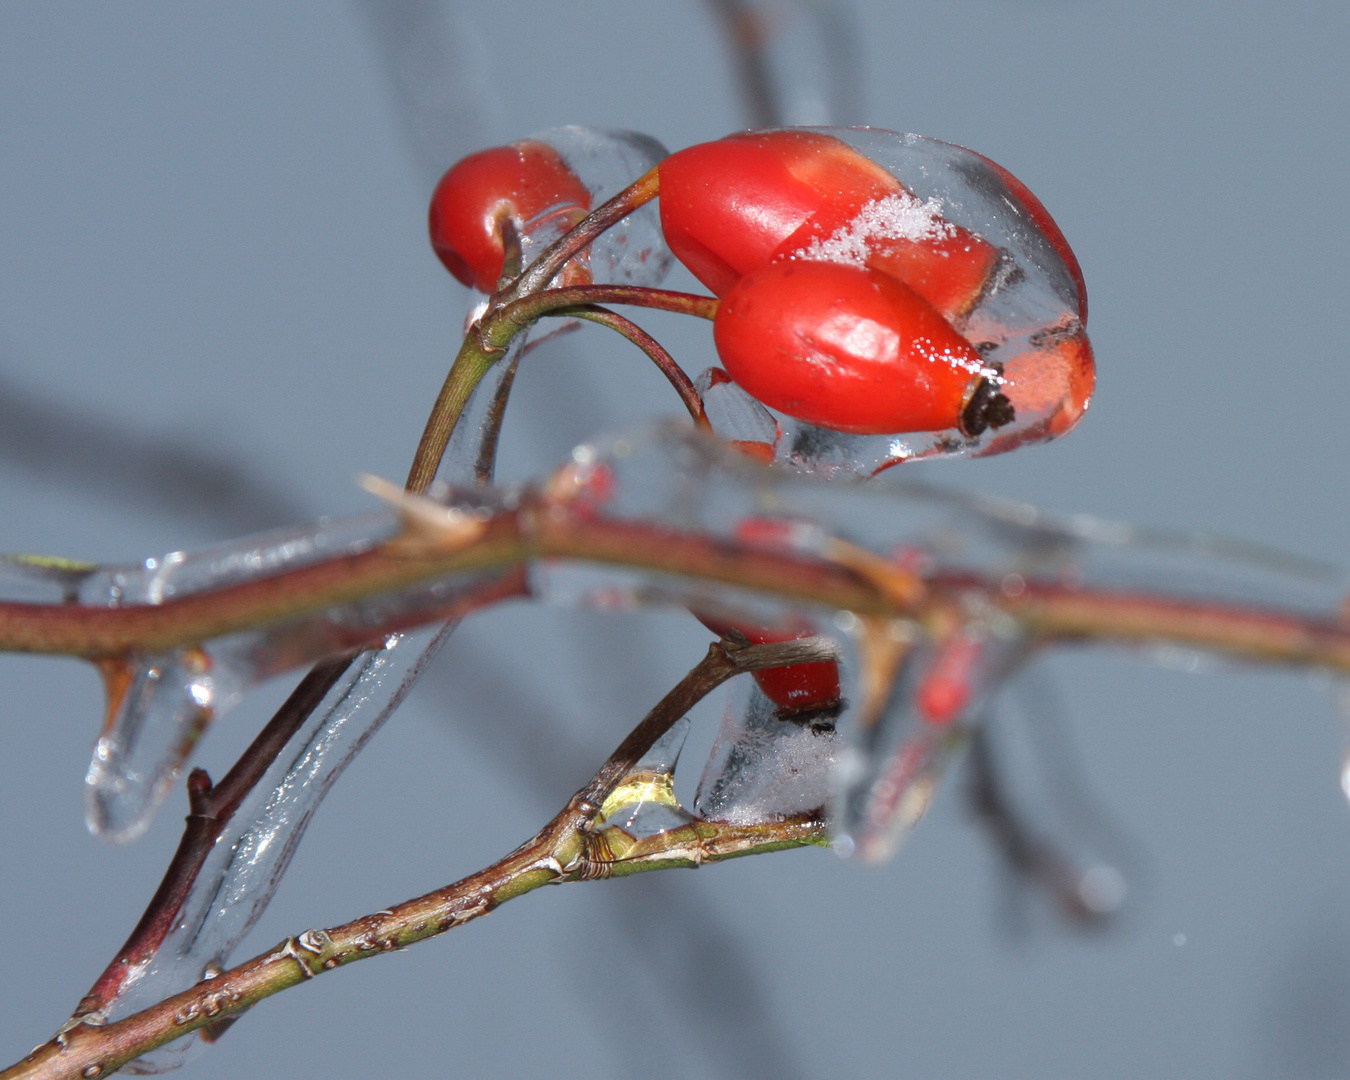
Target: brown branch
[
  {"x": 567, "y": 849},
  {"x": 539, "y": 529},
  {"x": 210, "y": 810},
  {"x": 556, "y": 301}
]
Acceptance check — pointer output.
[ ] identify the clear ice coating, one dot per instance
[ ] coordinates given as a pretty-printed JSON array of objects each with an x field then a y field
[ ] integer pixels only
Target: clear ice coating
[
  {"x": 973, "y": 240},
  {"x": 891, "y": 762},
  {"x": 643, "y": 803},
  {"x": 762, "y": 768},
  {"x": 671, "y": 478},
  {"x": 890, "y": 758},
  {"x": 159, "y": 705},
  {"x": 677, "y": 481},
  {"x": 246, "y": 865},
  {"x": 737, "y": 418},
  {"x": 634, "y": 251}
]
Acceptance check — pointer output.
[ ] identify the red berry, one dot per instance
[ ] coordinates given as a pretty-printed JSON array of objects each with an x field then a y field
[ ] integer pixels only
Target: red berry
[
  {"x": 854, "y": 350},
  {"x": 727, "y": 206},
  {"x": 520, "y": 182},
  {"x": 945, "y": 690},
  {"x": 796, "y": 689},
  {"x": 732, "y": 206},
  {"x": 945, "y": 264},
  {"x": 1050, "y": 386}
]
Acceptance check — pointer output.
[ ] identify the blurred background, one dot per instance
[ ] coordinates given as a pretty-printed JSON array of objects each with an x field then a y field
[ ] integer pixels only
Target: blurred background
[{"x": 217, "y": 304}]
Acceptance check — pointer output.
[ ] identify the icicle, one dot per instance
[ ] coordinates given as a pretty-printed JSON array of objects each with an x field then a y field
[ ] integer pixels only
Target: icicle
[
  {"x": 1340, "y": 696},
  {"x": 158, "y": 708},
  {"x": 160, "y": 705},
  {"x": 240, "y": 876},
  {"x": 245, "y": 866}
]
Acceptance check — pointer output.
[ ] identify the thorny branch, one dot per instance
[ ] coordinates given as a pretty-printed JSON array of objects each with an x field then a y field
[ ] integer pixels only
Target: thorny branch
[{"x": 538, "y": 528}]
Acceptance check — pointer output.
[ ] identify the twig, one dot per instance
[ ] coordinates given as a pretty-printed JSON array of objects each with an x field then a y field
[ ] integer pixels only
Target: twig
[
  {"x": 210, "y": 809},
  {"x": 655, "y": 352},
  {"x": 545, "y": 268},
  {"x": 567, "y": 849},
  {"x": 510, "y": 313},
  {"x": 1045, "y": 611}
]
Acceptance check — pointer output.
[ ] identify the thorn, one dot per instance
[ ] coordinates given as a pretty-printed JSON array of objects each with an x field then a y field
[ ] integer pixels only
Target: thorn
[
  {"x": 429, "y": 529},
  {"x": 883, "y": 645},
  {"x": 903, "y": 588},
  {"x": 199, "y": 788}
]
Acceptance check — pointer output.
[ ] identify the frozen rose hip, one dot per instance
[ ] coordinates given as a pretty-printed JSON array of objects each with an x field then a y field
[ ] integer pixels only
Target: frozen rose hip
[
  {"x": 854, "y": 350},
  {"x": 517, "y": 182},
  {"x": 732, "y": 206},
  {"x": 909, "y": 239},
  {"x": 1050, "y": 383},
  {"x": 797, "y": 689},
  {"x": 727, "y": 206},
  {"x": 1040, "y": 217}
]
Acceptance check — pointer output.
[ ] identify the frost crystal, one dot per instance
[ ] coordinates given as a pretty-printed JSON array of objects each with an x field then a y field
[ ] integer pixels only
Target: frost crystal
[
  {"x": 896, "y": 217},
  {"x": 763, "y": 768}
]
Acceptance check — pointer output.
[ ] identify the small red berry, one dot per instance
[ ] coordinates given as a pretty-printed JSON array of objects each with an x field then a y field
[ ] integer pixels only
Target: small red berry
[
  {"x": 519, "y": 182},
  {"x": 797, "y": 689},
  {"x": 947, "y": 685},
  {"x": 854, "y": 350}
]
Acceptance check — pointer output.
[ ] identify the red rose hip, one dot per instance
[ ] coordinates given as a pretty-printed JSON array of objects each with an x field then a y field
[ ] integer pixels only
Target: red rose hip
[
  {"x": 726, "y": 206},
  {"x": 519, "y": 182},
  {"x": 854, "y": 350},
  {"x": 797, "y": 689}
]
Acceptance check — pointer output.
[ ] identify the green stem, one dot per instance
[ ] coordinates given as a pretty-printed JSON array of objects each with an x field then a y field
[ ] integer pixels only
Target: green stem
[
  {"x": 518, "y": 306},
  {"x": 480, "y": 350},
  {"x": 488, "y": 340}
]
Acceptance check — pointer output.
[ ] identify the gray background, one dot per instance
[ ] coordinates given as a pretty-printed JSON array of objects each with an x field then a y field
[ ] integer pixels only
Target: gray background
[{"x": 212, "y": 251}]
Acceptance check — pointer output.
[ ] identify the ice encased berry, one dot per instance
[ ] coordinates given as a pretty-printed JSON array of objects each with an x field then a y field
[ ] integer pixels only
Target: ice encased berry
[{"x": 977, "y": 244}]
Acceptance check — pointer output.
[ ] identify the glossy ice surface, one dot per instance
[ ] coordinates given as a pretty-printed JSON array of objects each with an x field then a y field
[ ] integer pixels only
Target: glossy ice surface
[{"x": 976, "y": 243}]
